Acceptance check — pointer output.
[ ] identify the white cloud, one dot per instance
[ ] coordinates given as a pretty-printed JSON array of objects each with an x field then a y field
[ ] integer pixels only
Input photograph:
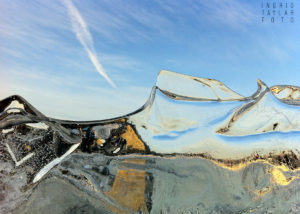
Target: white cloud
[{"x": 84, "y": 36}]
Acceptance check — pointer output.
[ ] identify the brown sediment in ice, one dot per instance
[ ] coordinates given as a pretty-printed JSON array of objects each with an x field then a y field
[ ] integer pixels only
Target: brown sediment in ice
[{"x": 286, "y": 160}]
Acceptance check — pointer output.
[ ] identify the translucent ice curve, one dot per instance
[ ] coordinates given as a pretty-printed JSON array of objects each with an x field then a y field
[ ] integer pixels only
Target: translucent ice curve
[
  {"x": 183, "y": 115},
  {"x": 180, "y": 86}
]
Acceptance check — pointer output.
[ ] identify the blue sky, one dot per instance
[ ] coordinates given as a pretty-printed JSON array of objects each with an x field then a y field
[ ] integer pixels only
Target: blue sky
[{"x": 99, "y": 59}]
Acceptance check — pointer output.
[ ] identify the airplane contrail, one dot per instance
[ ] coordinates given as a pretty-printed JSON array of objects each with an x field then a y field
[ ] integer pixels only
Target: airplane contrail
[{"x": 84, "y": 36}]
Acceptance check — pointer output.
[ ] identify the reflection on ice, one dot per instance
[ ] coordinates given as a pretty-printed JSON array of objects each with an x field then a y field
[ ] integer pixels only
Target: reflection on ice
[{"x": 195, "y": 146}]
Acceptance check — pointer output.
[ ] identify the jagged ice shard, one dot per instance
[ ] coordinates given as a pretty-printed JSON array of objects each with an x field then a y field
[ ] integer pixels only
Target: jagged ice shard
[{"x": 196, "y": 146}]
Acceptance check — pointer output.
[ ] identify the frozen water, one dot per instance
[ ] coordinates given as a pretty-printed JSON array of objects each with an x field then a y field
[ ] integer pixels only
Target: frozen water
[{"x": 196, "y": 146}]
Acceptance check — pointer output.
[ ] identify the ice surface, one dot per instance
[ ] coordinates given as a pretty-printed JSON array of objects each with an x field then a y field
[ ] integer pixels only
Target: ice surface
[
  {"x": 196, "y": 146},
  {"x": 287, "y": 93},
  {"x": 194, "y": 87}
]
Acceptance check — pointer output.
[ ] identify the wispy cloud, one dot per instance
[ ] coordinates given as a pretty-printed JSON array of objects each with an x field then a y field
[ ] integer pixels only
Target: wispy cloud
[
  {"x": 83, "y": 34},
  {"x": 233, "y": 13}
]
